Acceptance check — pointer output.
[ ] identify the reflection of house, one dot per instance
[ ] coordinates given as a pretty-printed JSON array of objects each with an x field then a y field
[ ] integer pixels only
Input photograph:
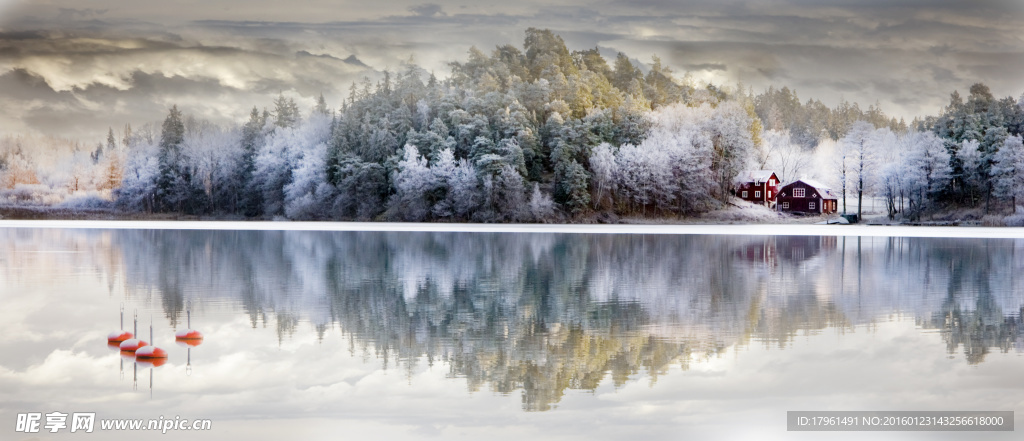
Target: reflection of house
[
  {"x": 806, "y": 196},
  {"x": 801, "y": 248},
  {"x": 760, "y": 252},
  {"x": 758, "y": 186}
]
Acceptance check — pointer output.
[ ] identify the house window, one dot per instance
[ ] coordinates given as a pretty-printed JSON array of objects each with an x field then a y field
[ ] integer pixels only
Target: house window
[
  {"x": 771, "y": 182},
  {"x": 785, "y": 205},
  {"x": 769, "y": 194},
  {"x": 798, "y": 192},
  {"x": 811, "y": 206},
  {"x": 757, "y": 194},
  {"x": 744, "y": 195}
]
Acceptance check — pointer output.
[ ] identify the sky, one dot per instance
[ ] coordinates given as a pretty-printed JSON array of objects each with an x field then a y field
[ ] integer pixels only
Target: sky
[{"x": 73, "y": 69}]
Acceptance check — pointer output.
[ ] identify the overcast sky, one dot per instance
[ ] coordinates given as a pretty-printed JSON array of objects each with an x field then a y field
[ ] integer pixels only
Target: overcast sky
[{"x": 73, "y": 68}]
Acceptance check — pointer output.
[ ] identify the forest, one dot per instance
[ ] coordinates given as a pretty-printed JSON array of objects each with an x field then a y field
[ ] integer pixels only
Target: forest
[{"x": 539, "y": 133}]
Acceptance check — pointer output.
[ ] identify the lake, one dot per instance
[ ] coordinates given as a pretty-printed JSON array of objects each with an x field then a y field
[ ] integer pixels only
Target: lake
[{"x": 471, "y": 335}]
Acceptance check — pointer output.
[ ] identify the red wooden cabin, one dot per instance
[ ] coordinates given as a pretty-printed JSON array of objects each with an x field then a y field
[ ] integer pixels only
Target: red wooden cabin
[
  {"x": 758, "y": 186},
  {"x": 807, "y": 197}
]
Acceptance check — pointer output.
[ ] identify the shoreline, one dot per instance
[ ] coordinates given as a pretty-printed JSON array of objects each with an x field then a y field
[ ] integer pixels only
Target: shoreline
[{"x": 645, "y": 229}]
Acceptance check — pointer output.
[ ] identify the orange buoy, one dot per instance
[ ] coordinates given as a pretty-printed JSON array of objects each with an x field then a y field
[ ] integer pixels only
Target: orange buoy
[
  {"x": 189, "y": 336},
  {"x": 150, "y": 352},
  {"x": 151, "y": 362},
  {"x": 119, "y": 336},
  {"x": 188, "y": 343},
  {"x": 132, "y": 345}
]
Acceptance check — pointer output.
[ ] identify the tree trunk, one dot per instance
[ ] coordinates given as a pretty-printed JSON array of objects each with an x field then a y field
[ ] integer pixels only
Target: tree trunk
[{"x": 860, "y": 197}]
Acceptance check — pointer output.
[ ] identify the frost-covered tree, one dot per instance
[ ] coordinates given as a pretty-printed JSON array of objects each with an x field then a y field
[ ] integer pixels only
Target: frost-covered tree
[
  {"x": 925, "y": 168},
  {"x": 860, "y": 144},
  {"x": 1008, "y": 170},
  {"x": 286, "y": 112},
  {"x": 413, "y": 181},
  {"x": 788, "y": 159},
  {"x": 541, "y": 206},
  {"x": 972, "y": 177},
  {"x": 281, "y": 154},
  {"x": 602, "y": 163},
  {"x": 138, "y": 188}
]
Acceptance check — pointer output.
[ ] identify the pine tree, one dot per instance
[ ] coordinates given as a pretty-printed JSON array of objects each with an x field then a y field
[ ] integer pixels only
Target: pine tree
[{"x": 169, "y": 178}]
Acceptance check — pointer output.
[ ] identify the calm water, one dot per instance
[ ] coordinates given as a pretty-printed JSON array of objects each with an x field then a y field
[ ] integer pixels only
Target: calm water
[{"x": 388, "y": 335}]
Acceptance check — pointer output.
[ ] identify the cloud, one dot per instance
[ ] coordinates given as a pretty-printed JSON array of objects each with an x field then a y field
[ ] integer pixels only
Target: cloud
[
  {"x": 427, "y": 10},
  {"x": 240, "y": 53},
  {"x": 706, "y": 66},
  {"x": 95, "y": 81}
]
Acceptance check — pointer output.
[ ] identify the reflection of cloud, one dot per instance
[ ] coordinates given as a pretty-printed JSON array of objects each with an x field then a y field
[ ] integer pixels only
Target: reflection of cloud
[{"x": 571, "y": 315}]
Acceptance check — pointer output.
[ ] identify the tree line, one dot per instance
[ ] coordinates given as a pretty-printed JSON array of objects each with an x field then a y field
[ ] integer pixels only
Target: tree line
[{"x": 537, "y": 134}]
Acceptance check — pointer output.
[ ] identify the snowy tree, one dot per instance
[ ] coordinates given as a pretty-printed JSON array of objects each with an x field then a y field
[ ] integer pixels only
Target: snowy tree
[
  {"x": 973, "y": 177},
  {"x": 919, "y": 174},
  {"x": 464, "y": 192},
  {"x": 413, "y": 181},
  {"x": 139, "y": 185},
  {"x": 786, "y": 158},
  {"x": 541, "y": 206},
  {"x": 1008, "y": 170},
  {"x": 309, "y": 194},
  {"x": 286, "y": 112},
  {"x": 860, "y": 145},
  {"x": 277, "y": 160},
  {"x": 602, "y": 163}
]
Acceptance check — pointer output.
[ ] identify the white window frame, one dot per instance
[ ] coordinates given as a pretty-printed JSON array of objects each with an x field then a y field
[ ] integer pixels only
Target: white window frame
[
  {"x": 811, "y": 206},
  {"x": 769, "y": 194},
  {"x": 744, "y": 194},
  {"x": 757, "y": 194},
  {"x": 771, "y": 182},
  {"x": 785, "y": 205},
  {"x": 798, "y": 192}
]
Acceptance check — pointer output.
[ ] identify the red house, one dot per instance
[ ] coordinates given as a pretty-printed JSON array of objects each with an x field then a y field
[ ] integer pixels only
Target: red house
[
  {"x": 757, "y": 186},
  {"x": 807, "y": 197}
]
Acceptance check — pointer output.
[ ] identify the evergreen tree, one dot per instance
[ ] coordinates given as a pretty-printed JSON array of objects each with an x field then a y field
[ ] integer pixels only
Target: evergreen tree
[{"x": 169, "y": 177}]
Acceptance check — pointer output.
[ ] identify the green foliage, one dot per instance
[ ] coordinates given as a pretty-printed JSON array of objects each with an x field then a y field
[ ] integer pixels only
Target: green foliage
[{"x": 572, "y": 183}]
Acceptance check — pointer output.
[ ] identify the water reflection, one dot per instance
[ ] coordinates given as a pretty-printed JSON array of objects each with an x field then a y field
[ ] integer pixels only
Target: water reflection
[{"x": 540, "y": 314}]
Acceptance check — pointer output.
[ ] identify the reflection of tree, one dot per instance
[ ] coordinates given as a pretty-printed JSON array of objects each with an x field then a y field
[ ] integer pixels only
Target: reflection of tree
[
  {"x": 979, "y": 329},
  {"x": 544, "y": 313},
  {"x": 971, "y": 315}
]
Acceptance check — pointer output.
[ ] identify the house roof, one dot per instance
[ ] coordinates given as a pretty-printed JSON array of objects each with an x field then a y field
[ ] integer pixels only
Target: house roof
[
  {"x": 754, "y": 175},
  {"x": 823, "y": 189}
]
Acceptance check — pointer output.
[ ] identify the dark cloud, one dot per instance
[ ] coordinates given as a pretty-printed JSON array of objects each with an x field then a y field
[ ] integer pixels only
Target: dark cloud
[
  {"x": 706, "y": 66},
  {"x": 427, "y": 10},
  {"x": 20, "y": 84},
  {"x": 72, "y": 13},
  {"x": 138, "y": 58}
]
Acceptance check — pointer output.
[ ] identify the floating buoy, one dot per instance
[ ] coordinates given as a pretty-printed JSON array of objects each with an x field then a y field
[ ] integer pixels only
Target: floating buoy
[
  {"x": 188, "y": 343},
  {"x": 190, "y": 337},
  {"x": 150, "y": 352},
  {"x": 133, "y": 344},
  {"x": 189, "y": 334},
  {"x": 117, "y": 337},
  {"x": 147, "y": 352},
  {"x": 151, "y": 362}
]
